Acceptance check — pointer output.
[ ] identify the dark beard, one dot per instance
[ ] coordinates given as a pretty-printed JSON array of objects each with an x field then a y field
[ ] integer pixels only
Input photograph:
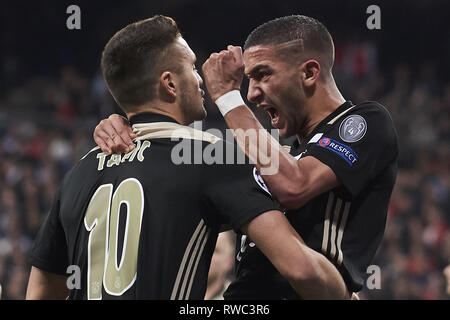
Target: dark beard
[{"x": 190, "y": 112}]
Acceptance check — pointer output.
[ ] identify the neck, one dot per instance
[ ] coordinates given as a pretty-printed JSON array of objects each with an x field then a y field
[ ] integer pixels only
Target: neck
[
  {"x": 167, "y": 109},
  {"x": 325, "y": 100}
]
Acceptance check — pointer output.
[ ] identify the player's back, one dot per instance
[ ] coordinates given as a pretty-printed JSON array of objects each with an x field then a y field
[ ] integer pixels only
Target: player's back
[
  {"x": 143, "y": 225},
  {"x": 139, "y": 211}
]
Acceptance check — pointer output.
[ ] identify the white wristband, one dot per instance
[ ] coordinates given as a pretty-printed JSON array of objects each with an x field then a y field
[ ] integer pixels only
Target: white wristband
[{"x": 229, "y": 101}]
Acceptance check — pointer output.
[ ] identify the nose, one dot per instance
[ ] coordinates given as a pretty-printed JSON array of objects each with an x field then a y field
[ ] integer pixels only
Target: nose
[
  {"x": 254, "y": 94},
  {"x": 200, "y": 80}
]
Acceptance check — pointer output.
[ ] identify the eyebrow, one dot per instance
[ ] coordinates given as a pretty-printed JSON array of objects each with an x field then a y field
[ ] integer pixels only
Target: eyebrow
[{"x": 257, "y": 69}]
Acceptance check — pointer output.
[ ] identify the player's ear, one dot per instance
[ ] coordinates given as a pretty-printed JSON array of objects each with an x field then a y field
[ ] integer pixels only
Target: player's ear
[
  {"x": 167, "y": 85},
  {"x": 309, "y": 71}
]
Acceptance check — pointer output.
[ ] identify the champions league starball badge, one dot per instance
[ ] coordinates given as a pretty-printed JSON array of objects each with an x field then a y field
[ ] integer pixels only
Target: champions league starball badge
[{"x": 353, "y": 128}]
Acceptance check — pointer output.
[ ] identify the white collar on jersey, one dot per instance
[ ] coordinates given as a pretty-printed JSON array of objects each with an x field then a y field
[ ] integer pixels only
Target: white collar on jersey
[{"x": 175, "y": 131}]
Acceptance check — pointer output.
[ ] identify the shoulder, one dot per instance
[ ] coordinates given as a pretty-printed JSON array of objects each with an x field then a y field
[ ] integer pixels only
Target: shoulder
[
  {"x": 371, "y": 111},
  {"x": 81, "y": 171},
  {"x": 366, "y": 119},
  {"x": 371, "y": 108}
]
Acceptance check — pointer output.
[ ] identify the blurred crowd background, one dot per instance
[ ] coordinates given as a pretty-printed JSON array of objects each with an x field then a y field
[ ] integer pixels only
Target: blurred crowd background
[{"x": 52, "y": 96}]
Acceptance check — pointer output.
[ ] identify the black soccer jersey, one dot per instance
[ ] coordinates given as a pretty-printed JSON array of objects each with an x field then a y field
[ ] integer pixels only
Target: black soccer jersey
[
  {"x": 143, "y": 225},
  {"x": 359, "y": 143}
]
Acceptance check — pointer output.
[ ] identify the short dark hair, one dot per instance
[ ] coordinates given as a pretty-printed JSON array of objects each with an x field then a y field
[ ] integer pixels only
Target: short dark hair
[
  {"x": 312, "y": 35},
  {"x": 134, "y": 58}
]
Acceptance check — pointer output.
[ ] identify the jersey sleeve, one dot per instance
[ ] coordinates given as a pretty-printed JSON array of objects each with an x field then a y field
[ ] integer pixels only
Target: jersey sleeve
[
  {"x": 49, "y": 251},
  {"x": 359, "y": 146},
  {"x": 236, "y": 192}
]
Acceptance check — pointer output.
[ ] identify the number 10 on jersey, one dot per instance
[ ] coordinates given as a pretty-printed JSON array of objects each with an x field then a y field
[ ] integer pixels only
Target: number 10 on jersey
[{"x": 102, "y": 221}]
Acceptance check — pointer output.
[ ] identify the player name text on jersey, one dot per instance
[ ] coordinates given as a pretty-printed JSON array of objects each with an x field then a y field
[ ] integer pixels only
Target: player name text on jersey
[{"x": 116, "y": 159}]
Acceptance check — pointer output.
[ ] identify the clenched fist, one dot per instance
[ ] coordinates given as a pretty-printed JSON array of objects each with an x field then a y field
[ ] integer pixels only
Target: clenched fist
[{"x": 224, "y": 71}]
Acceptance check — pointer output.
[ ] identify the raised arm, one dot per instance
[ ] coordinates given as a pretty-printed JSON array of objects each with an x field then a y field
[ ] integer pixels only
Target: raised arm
[{"x": 293, "y": 182}]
